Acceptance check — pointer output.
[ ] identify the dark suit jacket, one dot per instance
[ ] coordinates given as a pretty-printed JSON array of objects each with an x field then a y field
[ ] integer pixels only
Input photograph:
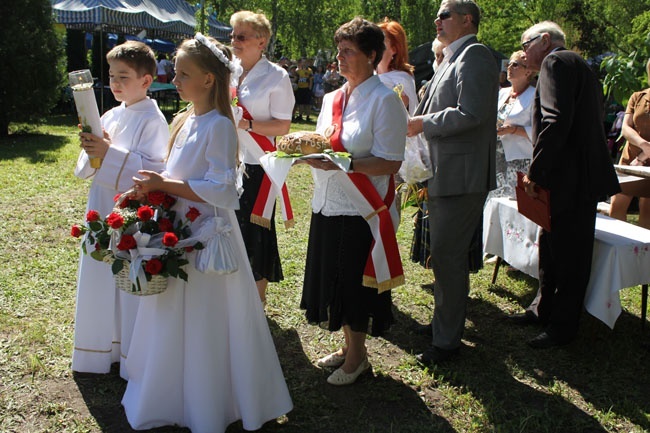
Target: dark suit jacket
[
  {"x": 459, "y": 109},
  {"x": 570, "y": 154}
]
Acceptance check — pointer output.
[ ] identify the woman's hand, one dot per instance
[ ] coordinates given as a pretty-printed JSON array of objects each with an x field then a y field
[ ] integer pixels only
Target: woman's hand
[
  {"x": 640, "y": 160},
  {"x": 95, "y": 147},
  {"x": 506, "y": 129},
  {"x": 149, "y": 181},
  {"x": 321, "y": 164}
]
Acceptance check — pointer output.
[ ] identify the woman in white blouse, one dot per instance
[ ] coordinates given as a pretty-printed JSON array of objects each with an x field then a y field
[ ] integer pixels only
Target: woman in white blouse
[
  {"x": 514, "y": 125},
  {"x": 371, "y": 125},
  {"x": 264, "y": 90}
]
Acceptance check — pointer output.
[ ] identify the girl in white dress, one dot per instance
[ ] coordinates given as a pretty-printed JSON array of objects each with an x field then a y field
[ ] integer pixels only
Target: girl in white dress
[{"x": 202, "y": 355}]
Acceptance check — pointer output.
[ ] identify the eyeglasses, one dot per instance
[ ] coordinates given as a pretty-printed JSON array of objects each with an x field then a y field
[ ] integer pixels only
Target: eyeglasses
[
  {"x": 514, "y": 64},
  {"x": 525, "y": 45},
  {"x": 241, "y": 37},
  {"x": 444, "y": 15}
]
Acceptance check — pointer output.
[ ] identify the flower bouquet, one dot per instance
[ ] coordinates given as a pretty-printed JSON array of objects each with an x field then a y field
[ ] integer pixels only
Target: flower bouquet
[{"x": 144, "y": 242}]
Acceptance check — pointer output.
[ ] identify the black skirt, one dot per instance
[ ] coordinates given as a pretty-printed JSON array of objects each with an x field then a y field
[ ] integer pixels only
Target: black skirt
[
  {"x": 333, "y": 294},
  {"x": 261, "y": 243}
]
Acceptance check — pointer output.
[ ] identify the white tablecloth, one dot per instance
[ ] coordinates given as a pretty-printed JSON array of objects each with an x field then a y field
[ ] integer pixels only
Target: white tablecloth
[{"x": 621, "y": 256}]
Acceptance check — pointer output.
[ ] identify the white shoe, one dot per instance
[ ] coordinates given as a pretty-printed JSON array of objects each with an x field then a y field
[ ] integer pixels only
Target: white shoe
[
  {"x": 333, "y": 360},
  {"x": 340, "y": 377}
]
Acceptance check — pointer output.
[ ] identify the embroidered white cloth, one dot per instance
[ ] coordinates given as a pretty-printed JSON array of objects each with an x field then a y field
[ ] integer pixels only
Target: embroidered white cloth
[{"x": 621, "y": 256}]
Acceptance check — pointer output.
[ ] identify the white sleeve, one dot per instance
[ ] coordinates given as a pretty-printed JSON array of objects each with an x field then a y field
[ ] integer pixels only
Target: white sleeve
[
  {"x": 149, "y": 153},
  {"x": 389, "y": 128},
  {"x": 218, "y": 185}
]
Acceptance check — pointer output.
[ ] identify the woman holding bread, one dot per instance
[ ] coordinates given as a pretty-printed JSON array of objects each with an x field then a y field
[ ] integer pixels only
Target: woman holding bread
[
  {"x": 264, "y": 92},
  {"x": 345, "y": 286}
]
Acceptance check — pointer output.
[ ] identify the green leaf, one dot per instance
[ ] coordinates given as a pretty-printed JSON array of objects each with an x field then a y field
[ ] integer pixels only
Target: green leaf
[
  {"x": 182, "y": 274},
  {"x": 96, "y": 226},
  {"x": 99, "y": 256},
  {"x": 172, "y": 266},
  {"x": 117, "y": 266}
]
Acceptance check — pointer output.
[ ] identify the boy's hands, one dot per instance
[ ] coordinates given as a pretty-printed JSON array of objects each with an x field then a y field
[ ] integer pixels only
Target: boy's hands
[{"x": 95, "y": 147}]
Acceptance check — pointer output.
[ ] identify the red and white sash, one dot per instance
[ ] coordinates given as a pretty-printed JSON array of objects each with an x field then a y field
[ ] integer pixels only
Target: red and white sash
[
  {"x": 383, "y": 269},
  {"x": 263, "y": 207}
]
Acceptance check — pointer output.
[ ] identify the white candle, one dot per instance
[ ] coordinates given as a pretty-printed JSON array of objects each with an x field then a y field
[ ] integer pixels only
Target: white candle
[{"x": 84, "y": 99}]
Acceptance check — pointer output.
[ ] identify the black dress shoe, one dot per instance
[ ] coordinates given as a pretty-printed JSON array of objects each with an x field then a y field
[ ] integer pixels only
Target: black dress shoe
[
  {"x": 419, "y": 329},
  {"x": 435, "y": 355},
  {"x": 523, "y": 319},
  {"x": 546, "y": 341}
]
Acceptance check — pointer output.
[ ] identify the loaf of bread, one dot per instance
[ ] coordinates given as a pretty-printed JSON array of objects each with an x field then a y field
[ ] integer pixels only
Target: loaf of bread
[{"x": 303, "y": 142}]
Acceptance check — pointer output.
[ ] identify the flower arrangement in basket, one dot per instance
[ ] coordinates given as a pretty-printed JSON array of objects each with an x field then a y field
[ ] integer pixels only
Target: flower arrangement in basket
[{"x": 143, "y": 241}]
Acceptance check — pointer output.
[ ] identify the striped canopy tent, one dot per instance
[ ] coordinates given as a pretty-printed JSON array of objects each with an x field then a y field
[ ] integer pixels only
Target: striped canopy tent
[{"x": 169, "y": 19}]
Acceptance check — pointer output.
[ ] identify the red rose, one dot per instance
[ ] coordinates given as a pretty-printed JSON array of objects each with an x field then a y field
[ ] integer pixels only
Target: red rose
[
  {"x": 98, "y": 247},
  {"x": 156, "y": 198},
  {"x": 92, "y": 216},
  {"x": 115, "y": 220},
  {"x": 168, "y": 202},
  {"x": 153, "y": 267},
  {"x": 76, "y": 231},
  {"x": 170, "y": 239},
  {"x": 192, "y": 214},
  {"x": 165, "y": 225},
  {"x": 145, "y": 213},
  {"x": 127, "y": 242}
]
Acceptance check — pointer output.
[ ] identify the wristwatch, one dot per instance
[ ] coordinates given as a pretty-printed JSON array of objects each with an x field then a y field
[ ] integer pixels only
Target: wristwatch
[{"x": 250, "y": 126}]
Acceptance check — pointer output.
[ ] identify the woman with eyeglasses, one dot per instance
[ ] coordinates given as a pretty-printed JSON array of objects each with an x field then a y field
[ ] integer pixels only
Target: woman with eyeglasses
[
  {"x": 514, "y": 125},
  {"x": 264, "y": 92}
]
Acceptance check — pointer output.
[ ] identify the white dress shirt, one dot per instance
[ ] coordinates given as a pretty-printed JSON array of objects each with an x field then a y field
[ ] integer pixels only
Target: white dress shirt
[
  {"x": 267, "y": 94},
  {"x": 516, "y": 146}
]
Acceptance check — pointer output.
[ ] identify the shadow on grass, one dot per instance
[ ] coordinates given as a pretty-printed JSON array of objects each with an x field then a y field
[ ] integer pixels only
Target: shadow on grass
[
  {"x": 602, "y": 368},
  {"x": 523, "y": 300},
  {"x": 521, "y": 389},
  {"x": 102, "y": 394},
  {"x": 38, "y": 148},
  {"x": 372, "y": 404}
]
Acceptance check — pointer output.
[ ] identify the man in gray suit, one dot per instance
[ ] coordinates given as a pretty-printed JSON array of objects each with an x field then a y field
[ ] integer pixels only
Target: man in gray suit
[{"x": 458, "y": 118}]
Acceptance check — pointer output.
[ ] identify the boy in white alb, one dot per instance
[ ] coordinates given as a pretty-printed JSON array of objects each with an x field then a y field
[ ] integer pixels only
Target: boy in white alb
[{"x": 135, "y": 138}]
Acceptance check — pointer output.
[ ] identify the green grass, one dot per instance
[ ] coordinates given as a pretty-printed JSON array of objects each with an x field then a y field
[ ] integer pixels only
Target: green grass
[{"x": 598, "y": 384}]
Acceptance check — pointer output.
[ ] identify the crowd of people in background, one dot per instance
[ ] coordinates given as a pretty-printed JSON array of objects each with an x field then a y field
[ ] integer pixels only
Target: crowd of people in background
[{"x": 311, "y": 79}]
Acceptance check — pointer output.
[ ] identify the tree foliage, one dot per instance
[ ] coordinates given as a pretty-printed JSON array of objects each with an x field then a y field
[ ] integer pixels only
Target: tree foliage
[
  {"x": 32, "y": 67},
  {"x": 305, "y": 28}
]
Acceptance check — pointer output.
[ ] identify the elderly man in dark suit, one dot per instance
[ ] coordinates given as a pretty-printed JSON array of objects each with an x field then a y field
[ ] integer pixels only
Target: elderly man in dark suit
[
  {"x": 458, "y": 118},
  {"x": 570, "y": 159}
]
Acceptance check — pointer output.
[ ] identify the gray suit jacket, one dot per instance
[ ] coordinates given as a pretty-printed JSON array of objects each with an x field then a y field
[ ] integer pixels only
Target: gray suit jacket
[{"x": 460, "y": 108}]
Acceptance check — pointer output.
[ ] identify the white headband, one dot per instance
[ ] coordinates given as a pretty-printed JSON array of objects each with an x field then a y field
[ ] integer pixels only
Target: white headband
[{"x": 233, "y": 65}]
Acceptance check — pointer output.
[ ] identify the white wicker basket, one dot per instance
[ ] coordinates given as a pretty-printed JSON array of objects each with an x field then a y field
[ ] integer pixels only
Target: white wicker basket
[{"x": 158, "y": 283}]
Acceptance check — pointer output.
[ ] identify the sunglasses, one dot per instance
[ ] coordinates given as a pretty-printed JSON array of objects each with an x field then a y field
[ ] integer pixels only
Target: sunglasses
[
  {"x": 444, "y": 15},
  {"x": 525, "y": 45},
  {"x": 516, "y": 65},
  {"x": 241, "y": 37}
]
